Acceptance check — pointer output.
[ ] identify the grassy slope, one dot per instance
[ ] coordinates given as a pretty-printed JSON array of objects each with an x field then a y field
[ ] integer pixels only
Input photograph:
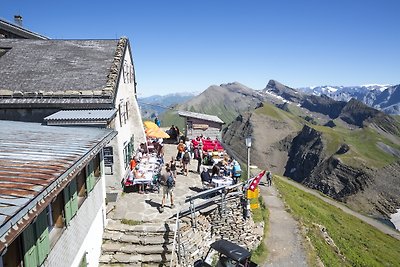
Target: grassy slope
[
  {"x": 171, "y": 117},
  {"x": 260, "y": 254},
  {"x": 362, "y": 142},
  {"x": 359, "y": 243},
  {"x": 280, "y": 115}
]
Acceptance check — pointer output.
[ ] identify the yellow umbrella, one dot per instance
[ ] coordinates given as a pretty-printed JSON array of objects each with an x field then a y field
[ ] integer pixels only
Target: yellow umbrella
[
  {"x": 150, "y": 125},
  {"x": 156, "y": 133}
]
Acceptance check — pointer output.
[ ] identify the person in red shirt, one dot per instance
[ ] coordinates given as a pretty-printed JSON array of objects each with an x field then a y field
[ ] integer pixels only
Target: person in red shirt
[{"x": 132, "y": 163}]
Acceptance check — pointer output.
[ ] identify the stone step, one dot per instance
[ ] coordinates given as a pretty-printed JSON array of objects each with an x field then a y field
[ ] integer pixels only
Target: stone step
[
  {"x": 117, "y": 226},
  {"x": 133, "y": 249},
  {"x": 158, "y": 239},
  {"x": 135, "y": 260}
]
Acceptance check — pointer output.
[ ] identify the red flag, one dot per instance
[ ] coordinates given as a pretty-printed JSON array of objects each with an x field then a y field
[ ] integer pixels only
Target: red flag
[{"x": 256, "y": 181}]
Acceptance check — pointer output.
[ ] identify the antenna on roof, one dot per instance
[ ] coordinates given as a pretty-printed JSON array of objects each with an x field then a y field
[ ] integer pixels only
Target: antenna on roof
[{"x": 18, "y": 20}]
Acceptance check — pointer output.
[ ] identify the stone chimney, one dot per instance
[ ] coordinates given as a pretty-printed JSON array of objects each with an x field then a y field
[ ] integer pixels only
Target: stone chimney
[{"x": 18, "y": 20}]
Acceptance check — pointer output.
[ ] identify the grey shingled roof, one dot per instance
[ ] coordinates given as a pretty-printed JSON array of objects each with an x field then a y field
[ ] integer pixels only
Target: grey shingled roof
[
  {"x": 36, "y": 69},
  {"x": 36, "y": 159},
  {"x": 85, "y": 115},
  {"x": 200, "y": 116}
]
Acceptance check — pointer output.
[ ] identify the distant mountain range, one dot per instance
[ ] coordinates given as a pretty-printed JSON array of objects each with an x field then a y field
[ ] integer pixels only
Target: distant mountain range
[{"x": 382, "y": 97}]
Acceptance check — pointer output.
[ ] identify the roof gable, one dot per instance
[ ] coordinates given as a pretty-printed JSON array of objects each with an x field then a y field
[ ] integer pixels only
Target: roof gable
[{"x": 200, "y": 116}]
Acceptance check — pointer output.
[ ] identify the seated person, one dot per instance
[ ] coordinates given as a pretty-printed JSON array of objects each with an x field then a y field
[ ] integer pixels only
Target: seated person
[
  {"x": 215, "y": 170},
  {"x": 205, "y": 176},
  {"x": 137, "y": 174}
]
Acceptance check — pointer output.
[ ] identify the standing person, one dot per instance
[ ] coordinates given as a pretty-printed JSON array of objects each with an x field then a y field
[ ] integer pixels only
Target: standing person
[
  {"x": 198, "y": 155},
  {"x": 157, "y": 122},
  {"x": 185, "y": 162},
  {"x": 168, "y": 184},
  {"x": 181, "y": 149},
  {"x": 172, "y": 133},
  {"x": 187, "y": 145},
  {"x": 268, "y": 176},
  {"x": 172, "y": 165},
  {"x": 178, "y": 133},
  {"x": 236, "y": 171}
]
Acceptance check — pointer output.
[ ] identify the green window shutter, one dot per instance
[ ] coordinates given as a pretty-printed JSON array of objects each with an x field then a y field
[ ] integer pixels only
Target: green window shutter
[
  {"x": 67, "y": 205},
  {"x": 73, "y": 197},
  {"x": 90, "y": 177},
  {"x": 42, "y": 234},
  {"x": 92, "y": 181},
  {"x": 29, "y": 247}
]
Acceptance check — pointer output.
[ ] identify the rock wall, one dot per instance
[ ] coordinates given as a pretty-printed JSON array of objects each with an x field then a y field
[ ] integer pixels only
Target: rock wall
[
  {"x": 214, "y": 225},
  {"x": 305, "y": 153}
]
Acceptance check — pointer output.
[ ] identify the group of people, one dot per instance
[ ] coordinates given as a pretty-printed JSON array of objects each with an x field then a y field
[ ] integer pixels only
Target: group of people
[
  {"x": 153, "y": 148},
  {"x": 186, "y": 151}
]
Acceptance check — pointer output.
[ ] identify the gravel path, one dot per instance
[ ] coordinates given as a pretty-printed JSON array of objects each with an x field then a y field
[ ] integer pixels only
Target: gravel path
[{"x": 284, "y": 241}]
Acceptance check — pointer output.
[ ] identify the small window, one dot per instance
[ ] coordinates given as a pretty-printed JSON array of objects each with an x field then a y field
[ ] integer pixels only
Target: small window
[
  {"x": 13, "y": 256},
  {"x": 55, "y": 219},
  {"x": 80, "y": 182}
]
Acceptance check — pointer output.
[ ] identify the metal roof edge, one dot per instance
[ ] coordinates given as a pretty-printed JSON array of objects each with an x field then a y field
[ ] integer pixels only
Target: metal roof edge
[{"x": 40, "y": 198}]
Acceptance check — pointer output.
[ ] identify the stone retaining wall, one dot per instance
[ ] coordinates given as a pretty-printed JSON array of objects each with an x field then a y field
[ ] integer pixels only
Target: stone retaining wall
[{"x": 214, "y": 225}]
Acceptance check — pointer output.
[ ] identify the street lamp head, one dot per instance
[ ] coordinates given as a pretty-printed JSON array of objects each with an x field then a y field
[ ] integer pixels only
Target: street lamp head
[{"x": 248, "y": 141}]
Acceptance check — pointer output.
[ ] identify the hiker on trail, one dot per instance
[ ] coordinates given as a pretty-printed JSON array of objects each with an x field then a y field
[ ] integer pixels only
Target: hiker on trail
[
  {"x": 268, "y": 176},
  {"x": 168, "y": 184}
]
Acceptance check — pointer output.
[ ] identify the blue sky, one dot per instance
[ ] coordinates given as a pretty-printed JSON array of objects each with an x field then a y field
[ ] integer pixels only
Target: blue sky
[{"x": 186, "y": 46}]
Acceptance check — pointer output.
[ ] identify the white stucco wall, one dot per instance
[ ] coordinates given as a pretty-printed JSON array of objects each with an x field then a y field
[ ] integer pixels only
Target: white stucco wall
[
  {"x": 126, "y": 92},
  {"x": 83, "y": 235}
]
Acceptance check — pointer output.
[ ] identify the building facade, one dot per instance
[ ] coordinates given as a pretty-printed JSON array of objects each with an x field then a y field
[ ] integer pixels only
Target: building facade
[
  {"x": 197, "y": 124},
  {"x": 43, "y": 77},
  {"x": 52, "y": 194}
]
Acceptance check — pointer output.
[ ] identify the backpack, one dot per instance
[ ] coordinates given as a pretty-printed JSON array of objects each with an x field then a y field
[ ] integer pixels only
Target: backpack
[
  {"x": 170, "y": 181},
  {"x": 186, "y": 157}
]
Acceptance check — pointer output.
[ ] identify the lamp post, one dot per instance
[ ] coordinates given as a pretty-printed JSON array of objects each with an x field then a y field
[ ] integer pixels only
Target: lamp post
[
  {"x": 248, "y": 145},
  {"x": 247, "y": 202}
]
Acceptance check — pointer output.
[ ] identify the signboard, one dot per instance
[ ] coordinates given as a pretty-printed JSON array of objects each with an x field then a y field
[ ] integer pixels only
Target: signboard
[
  {"x": 108, "y": 156},
  {"x": 200, "y": 126}
]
